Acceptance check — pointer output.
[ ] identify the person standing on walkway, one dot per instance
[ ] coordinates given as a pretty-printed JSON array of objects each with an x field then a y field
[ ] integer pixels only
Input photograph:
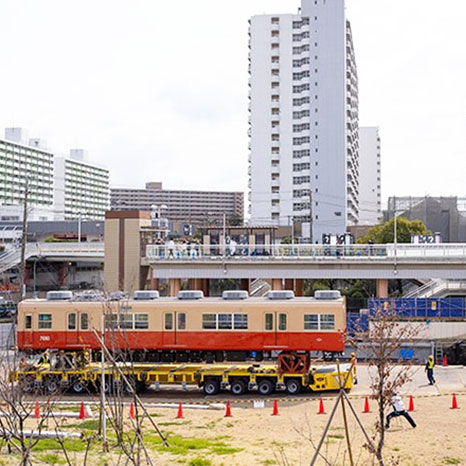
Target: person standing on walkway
[
  {"x": 399, "y": 410},
  {"x": 353, "y": 361},
  {"x": 430, "y": 370}
]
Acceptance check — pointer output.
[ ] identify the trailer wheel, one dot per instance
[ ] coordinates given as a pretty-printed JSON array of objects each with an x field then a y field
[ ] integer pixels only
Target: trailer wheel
[
  {"x": 238, "y": 387},
  {"x": 293, "y": 386},
  {"x": 211, "y": 387},
  {"x": 51, "y": 385},
  {"x": 265, "y": 387},
  {"x": 78, "y": 386}
]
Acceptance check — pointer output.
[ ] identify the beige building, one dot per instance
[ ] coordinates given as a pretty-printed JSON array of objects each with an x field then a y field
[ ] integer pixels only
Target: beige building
[{"x": 124, "y": 249}]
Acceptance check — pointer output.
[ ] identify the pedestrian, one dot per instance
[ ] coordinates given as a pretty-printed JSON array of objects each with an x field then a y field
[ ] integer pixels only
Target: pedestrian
[
  {"x": 171, "y": 249},
  {"x": 399, "y": 410},
  {"x": 430, "y": 370},
  {"x": 232, "y": 247},
  {"x": 353, "y": 361}
]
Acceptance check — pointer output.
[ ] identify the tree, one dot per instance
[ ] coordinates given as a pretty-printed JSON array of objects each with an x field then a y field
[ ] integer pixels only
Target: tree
[{"x": 384, "y": 233}]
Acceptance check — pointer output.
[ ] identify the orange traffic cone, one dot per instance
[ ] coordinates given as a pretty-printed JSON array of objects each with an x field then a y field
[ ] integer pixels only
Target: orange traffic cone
[
  {"x": 445, "y": 361},
  {"x": 228, "y": 410},
  {"x": 454, "y": 403},
  {"x": 180, "y": 412},
  {"x": 131, "y": 411},
  {"x": 321, "y": 407},
  {"x": 37, "y": 410},
  {"x": 275, "y": 408},
  {"x": 366, "y": 406},
  {"x": 82, "y": 412},
  {"x": 411, "y": 403}
]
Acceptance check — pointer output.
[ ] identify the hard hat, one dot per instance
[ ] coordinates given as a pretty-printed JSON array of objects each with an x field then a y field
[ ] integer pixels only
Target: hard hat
[
  {"x": 431, "y": 357},
  {"x": 352, "y": 354}
]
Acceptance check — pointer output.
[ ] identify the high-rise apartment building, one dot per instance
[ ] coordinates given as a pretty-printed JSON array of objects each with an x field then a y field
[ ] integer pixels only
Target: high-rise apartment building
[
  {"x": 81, "y": 188},
  {"x": 370, "y": 208},
  {"x": 25, "y": 165},
  {"x": 198, "y": 207},
  {"x": 303, "y": 161}
]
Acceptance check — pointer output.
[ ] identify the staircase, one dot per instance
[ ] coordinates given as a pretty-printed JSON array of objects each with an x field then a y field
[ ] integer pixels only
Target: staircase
[
  {"x": 438, "y": 288},
  {"x": 259, "y": 288}
]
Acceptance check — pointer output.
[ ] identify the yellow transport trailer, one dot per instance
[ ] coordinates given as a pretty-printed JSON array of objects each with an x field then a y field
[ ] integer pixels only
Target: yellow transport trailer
[{"x": 211, "y": 378}]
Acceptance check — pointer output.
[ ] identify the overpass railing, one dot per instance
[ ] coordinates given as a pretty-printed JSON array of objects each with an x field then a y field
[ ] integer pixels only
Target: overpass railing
[{"x": 307, "y": 251}]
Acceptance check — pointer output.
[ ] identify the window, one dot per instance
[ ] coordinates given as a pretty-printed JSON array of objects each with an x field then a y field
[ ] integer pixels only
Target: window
[
  {"x": 141, "y": 321},
  {"x": 281, "y": 321},
  {"x": 224, "y": 322},
  {"x": 126, "y": 321},
  {"x": 45, "y": 321},
  {"x": 327, "y": 322},
  {"x": 169, "y": 321},
  {"x": 111, "y": 321},
  {"x": 84, "y": 321},
  {"x": 311, "y": 322},
  {"x": 268, "y": 322},
  {"x": 209, "y": 321},
  {"x": 181, "y": 321},
  {"x": 241, "y": 321},
  {"x": 72, "y": 321},
  {"x": 28, "y": 321}
]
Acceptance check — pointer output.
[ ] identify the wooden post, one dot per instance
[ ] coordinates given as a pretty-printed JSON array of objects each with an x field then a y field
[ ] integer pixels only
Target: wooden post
[{"x": 345, "y": 421}]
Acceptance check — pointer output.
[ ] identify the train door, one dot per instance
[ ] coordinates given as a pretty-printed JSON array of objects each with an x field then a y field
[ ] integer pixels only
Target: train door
[
  {"x": 168, "y": 329},
  {"x": 28, "y": 330},
  {"x": 71, "y": 328},
  {"x": 83, "y": 327},
  {"x": 281, "y": 329},
  {"x": 270, "y": 334}
]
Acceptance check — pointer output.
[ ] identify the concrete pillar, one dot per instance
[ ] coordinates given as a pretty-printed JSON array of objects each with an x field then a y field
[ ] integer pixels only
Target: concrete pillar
[
  {"x": 277, "y": 284},
  {"x": 245, "y": 284},
  {"x": 154, "y": 283},
  {"x": 205, "y": 286},
  {"x": 299, "y": 287},
  {"x": 174, "y": 285},
  {"x": 289, "y": 284},
  {"x": 62, "y": 272},
  {"x": 382, "y": 288}
]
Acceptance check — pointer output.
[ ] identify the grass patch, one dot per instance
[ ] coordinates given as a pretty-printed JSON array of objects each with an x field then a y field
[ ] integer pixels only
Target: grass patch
[
  {"x": 52, "y": 458},
  {"x": 50, "y": 444},
  {"x": 200, "y": 462},
  {"x": 396, "y": 448},
  {"x": 155, "y": 415},
  {"x": 221, "y": 450},
  {"x": 229, "y": 424},
  {"x": 86, "y": 425},
  {"x": 449, "y": 460},
  {"x": 337, "y": 436},
  {"x": 267, "y": 462},
  {"x": 174, "y": 423}
]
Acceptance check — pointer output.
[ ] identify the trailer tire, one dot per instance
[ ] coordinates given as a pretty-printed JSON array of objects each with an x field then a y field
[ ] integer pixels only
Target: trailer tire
[
  {"x": 293, "y": 386},
  {"x": 78, "y": 386},
  {"x": 51, "y": 385},
  {"x": 211, "y": 387},
  {"x": 238, "y": 387},
  {"x": 265, "y": 387}
]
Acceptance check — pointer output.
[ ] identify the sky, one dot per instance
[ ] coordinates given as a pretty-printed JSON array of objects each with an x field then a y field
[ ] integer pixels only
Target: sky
[{"x": 157, "y": 90}]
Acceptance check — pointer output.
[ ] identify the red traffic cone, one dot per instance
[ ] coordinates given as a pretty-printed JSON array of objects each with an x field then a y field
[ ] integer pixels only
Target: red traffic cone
[
  {"x": 321, "y": 406},
  {"x": 37, "y": 410},
  {"x": 228, "y": 410},
  {"x": 454, "y": 403},
  {"x": 180, "y": 412},
  {"x": 275, "y": 408},
  {"x": 82, "y": 412},
  {"x": 366, "y": 406},
  {"x": 411, "y": 403},
  {"x": 445, "y": 361},
  {"x": 131, "y": 411}
]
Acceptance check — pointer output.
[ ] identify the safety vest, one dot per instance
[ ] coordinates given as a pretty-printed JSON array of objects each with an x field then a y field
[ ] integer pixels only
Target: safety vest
[{"x": 430, "y": 364}]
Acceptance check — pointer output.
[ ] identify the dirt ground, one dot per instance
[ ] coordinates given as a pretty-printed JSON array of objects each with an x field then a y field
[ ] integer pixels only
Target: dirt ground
[{"x": 254, "y": 437}]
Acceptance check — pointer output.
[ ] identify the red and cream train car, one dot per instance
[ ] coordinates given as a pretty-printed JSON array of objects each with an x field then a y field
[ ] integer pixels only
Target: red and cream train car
[{"x": 189, "y": 327}]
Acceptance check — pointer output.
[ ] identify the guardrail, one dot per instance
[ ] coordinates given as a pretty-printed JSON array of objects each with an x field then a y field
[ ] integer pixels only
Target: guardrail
[{"x": 307, "y": 251}]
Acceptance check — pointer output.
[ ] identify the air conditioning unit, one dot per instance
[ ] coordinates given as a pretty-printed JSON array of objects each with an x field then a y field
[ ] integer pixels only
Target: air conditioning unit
[
  {"x": 280, "y": 294},
  {"x": 192, "y": 294},
  {"x": 145, "y": 295},
  {"x": 327, "y": 294},
  {"x": 235, "y": 294},
  {"x": 59, "y": 295}
]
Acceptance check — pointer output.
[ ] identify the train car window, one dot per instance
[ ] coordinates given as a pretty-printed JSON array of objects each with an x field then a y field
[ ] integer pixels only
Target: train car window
[
  {"x": 268, "y": 321},
  {"x": 181, "y": 321},
  {"x": 28, "y": 321},
  {"x": 169, "y": 321},
  {"x": 311, "y": 322},
  {"x": 45, "y": 321},
  {"x": 111, "y": 321},
  {"x": 72, "y": 321},
  {"x": 241, "y": 321},
  {"x": 84, "y": 321},
  {"x": 126, "y": 321},
  {"x": 281, "y": 321},
  {"x": 209, "y": 321},
  {"x": 327, "y": 322},
  {"x": 141, "y": 321},
  {"x": 225, "y": 322}
]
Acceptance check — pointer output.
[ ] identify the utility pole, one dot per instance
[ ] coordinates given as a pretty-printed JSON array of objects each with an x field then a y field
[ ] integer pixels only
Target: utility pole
[{"x": 24, "y": 241}]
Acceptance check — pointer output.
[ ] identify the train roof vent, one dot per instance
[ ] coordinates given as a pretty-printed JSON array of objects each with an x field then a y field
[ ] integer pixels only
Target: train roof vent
[
  {"x": 327, "y": 294},
  {"x": 146, "y": 295},
  {"x": 281, "y": 294},
  {"x": 235, "y": 294},
  {"x": 59, "y": 295},
  {"x": 191, "y": 294}
]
